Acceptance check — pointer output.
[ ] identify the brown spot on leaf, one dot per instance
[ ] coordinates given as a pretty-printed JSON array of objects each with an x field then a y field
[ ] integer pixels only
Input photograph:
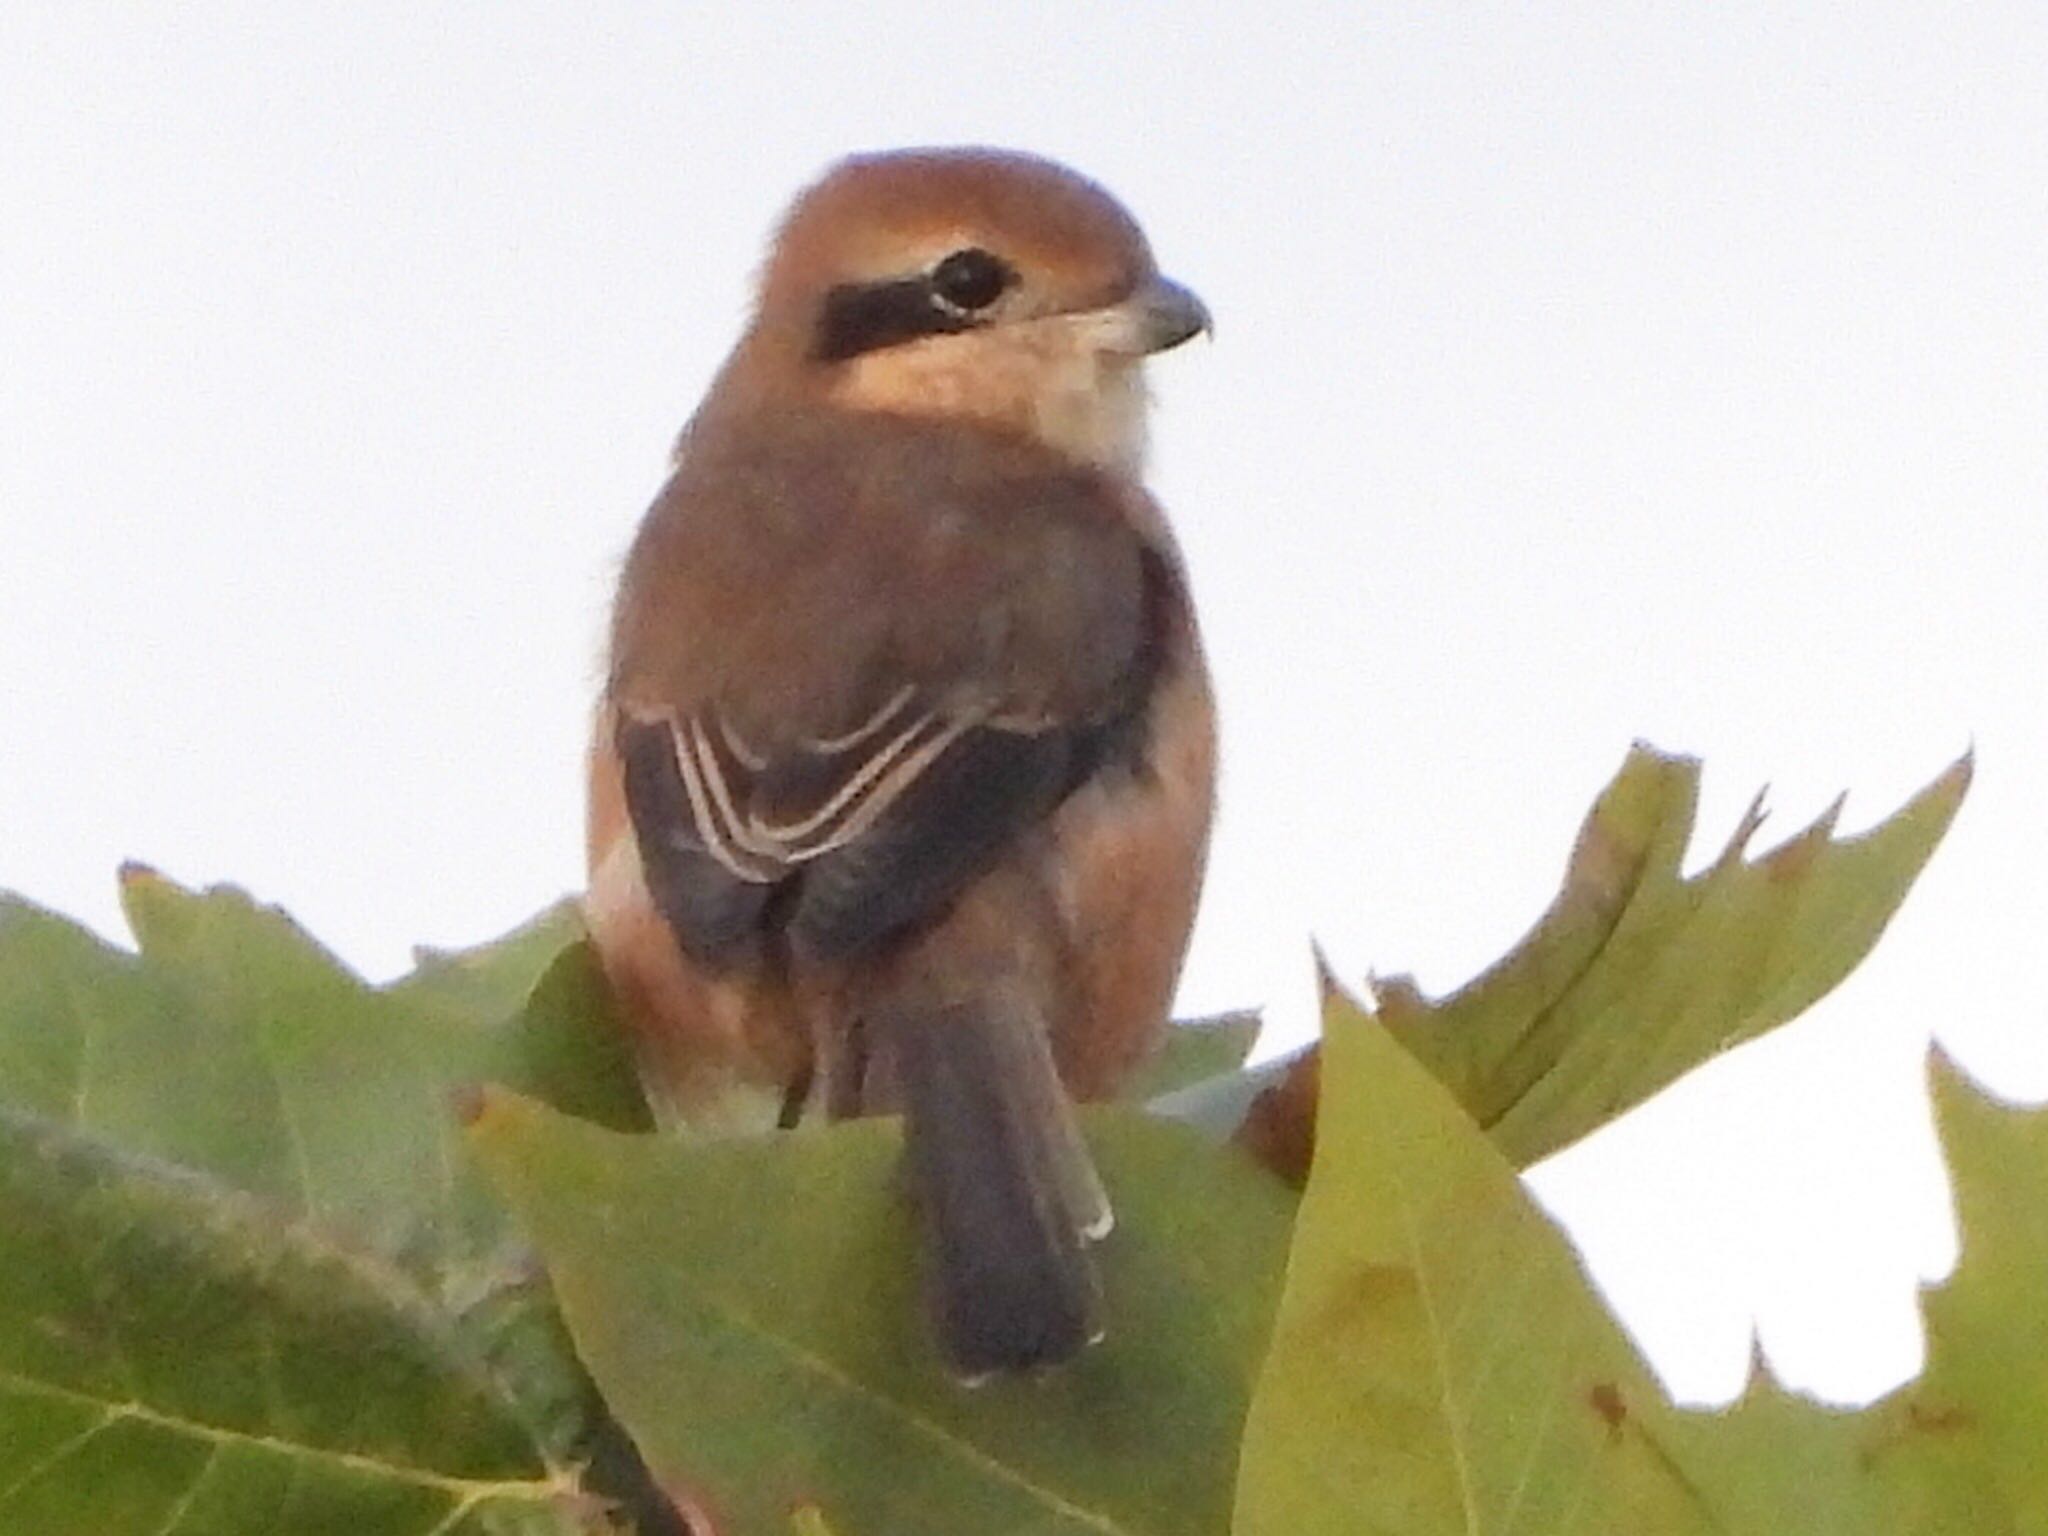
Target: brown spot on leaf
[
  {"x": 467, "y": 1101},
  {"x": 1605, "y": 1399},
  {"x": 1906, "y": 1421},
  {"x": 1939, "y": 1421},
  {"x": 1342, "y": 1317}
]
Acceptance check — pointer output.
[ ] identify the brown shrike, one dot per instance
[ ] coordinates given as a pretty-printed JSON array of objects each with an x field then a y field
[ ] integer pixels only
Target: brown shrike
[{"x": 901, "y": 786}]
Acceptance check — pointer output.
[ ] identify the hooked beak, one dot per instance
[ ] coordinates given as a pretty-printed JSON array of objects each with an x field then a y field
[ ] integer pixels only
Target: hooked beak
[
  {"x": 1158, "y": 315},
  {"x": 1167, "y": 315}
]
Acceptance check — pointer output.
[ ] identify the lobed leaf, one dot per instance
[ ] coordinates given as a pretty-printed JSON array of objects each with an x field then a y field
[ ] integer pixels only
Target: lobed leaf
[
  {"x": 324, "y": 1321},
  {"x": 489, "y": 983},
  {"x": 1956, "y": 1450},
  {"x": 1635, "y": 974},
  {"x": 1983, "y": 1392},
  {"x": 234, "y": 1044},
  {"x": 1194, "y": 1051},
  {"x": 234, "y": 1047},
  {"x": 1775, "y": 1460}
]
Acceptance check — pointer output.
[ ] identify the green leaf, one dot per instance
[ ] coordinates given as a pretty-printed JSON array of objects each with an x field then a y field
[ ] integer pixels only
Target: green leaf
[
  {"x": 749, "y": 1309},
  {"x": 234, "y": 1044},
  {"x": 1195, "y": 1051},
  {"x": 491, "y": 982},
  {"x": 173, "y": 1358},
  {"x": 1632, "y": 977},
  {"x": 1440, "y": 1362},
  {"x": 565, "y": 1047},
  {"x": 542, "y": 1017},
  {"x": 1636, "y": 975}
]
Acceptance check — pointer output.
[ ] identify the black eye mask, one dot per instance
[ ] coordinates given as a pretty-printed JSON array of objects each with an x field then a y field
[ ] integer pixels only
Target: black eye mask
[{"x": 858, "y": 318}]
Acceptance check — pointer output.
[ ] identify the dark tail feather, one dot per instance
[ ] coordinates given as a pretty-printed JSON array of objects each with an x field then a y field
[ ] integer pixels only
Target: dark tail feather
[{"x": 1007, "y": 1197}]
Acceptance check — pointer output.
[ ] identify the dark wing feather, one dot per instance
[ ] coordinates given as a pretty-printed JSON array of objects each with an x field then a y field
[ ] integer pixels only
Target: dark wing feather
[
  {"x": 856, "y": 872},
  {"x": 715, "y": 914},
  {"x": 947, "y": 827}
]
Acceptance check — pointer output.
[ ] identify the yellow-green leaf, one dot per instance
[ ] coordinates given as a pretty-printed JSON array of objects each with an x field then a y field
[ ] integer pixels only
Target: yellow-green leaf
[
  {"x": 1635, "y": 975},
  {"x": 1776, "y": 1461},
  {"x": 1440, "y": 1363},
  {"x": 1986, "y": 1381},
  {"x": 1956, "y": 1452}
]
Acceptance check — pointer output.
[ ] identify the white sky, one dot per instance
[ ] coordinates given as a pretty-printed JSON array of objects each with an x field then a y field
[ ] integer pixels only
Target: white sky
[{"x": 1680, "y": 373}]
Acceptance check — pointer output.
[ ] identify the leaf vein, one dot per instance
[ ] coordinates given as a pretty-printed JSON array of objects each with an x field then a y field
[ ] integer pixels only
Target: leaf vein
[
  {"x": 183, "y": 1504},
  {"x": 1439, "y": 1349},
  {"x": 53, "y": 1456},
  {"x": 536, "y": 1490},
  {"x": 938, "y": 1434}
]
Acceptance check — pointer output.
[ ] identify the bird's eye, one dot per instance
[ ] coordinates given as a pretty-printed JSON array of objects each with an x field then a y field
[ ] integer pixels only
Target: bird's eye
[{"x": 970, "y": 280}]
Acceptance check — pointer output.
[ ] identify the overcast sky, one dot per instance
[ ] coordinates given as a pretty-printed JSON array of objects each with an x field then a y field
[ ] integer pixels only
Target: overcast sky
[{"x": 1664, "y": 372}]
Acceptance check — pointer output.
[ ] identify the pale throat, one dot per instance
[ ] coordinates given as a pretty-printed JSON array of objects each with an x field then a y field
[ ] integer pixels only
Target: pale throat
[{"x": 1081, "y": 401}]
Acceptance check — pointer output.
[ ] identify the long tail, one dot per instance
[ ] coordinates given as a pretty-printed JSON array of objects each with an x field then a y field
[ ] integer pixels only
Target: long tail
[{"x": 1008, "y": 1197}]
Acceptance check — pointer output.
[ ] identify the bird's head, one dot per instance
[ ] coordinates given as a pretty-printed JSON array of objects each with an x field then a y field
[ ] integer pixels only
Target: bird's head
[{"x": 970, "y": 284}]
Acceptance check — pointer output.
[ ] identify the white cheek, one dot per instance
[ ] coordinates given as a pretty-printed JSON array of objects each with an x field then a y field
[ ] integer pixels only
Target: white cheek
[
  {"x": 1128, "y": 403},
  {"x": 1088, "y": 404},
  {"x": 1094, "y": 409}
]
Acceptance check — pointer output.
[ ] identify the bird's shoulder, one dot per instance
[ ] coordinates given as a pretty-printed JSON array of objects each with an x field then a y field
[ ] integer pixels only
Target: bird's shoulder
[{"x": 796, "y": 573}]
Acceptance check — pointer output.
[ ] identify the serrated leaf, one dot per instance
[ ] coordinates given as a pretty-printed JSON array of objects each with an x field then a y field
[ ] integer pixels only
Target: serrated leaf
[
  {"x": 1440, "y": 1362},
  {"x": 175, "y": 1359},
  {"x": 1776, "y": 1461},
  {"x": 1957, "y": 1450},
  {"x": 1424, "y": 1343},
  {"x": 489, "y": 983},
  {"x": 749, "y": 1309},
  {"x": 563, "y": 1046},
  {"x": 1194, "y": 1051},
  {"x": 1636, "y": 975},
  {"x": 1987, "y": 1327},
  {"x": 234, "y": 1046}
]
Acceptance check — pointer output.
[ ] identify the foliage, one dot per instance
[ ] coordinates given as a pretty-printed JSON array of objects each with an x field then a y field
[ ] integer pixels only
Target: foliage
[{"x": 258, "y": 1274}]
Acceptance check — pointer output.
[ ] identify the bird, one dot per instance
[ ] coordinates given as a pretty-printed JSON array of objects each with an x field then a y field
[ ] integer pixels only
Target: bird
[{"x": 901, "y": 780}]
